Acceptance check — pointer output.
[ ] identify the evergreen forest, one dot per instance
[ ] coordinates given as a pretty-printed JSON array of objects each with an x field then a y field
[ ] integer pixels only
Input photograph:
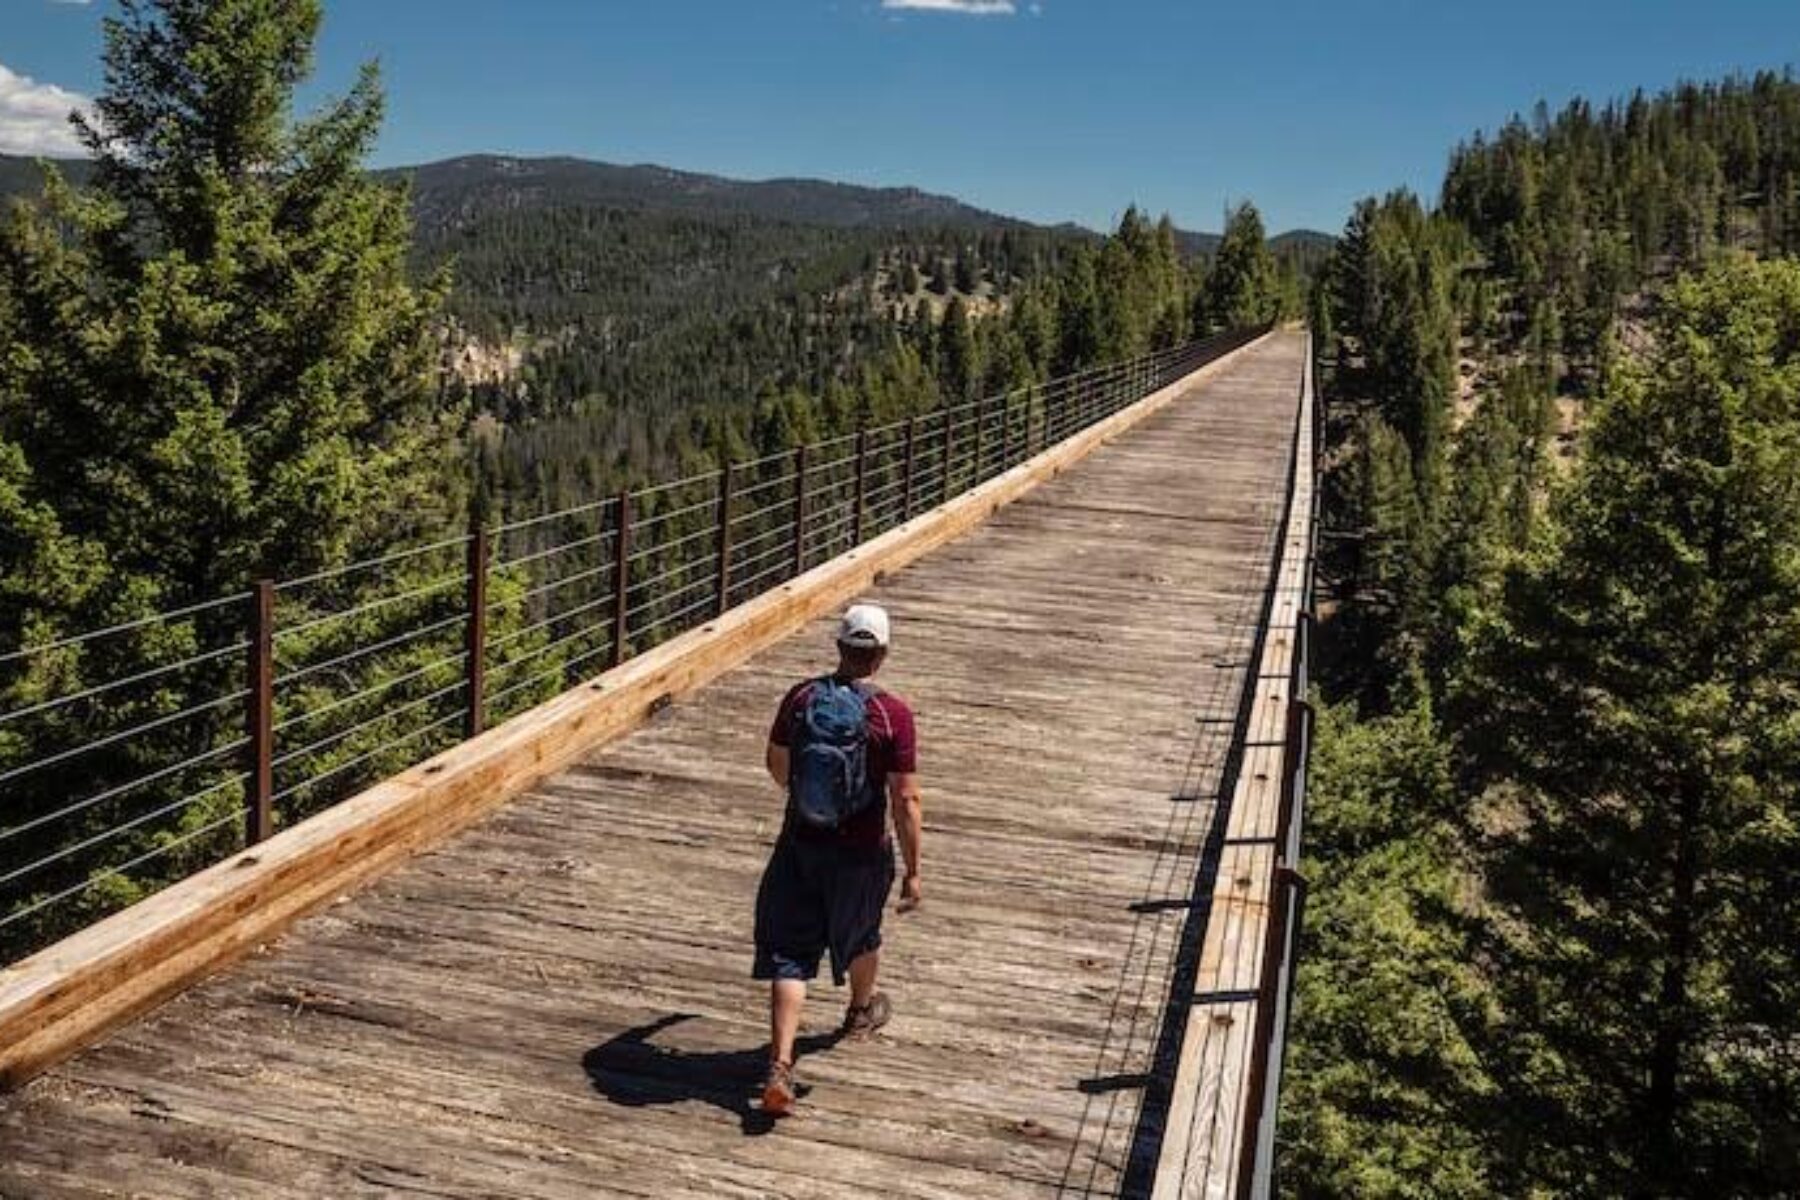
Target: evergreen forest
[{"x": 1551, "y": 945}]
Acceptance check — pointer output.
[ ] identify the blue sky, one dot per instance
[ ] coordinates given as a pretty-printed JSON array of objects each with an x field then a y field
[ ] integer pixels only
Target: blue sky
[{"x": 1058, "y": 110}]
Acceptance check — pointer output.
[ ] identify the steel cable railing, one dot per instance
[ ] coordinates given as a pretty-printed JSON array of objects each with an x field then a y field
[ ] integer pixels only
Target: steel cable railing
[{"x": 138, "y": 753}]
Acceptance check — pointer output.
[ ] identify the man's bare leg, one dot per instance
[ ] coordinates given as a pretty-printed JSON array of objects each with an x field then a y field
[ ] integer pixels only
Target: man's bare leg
[
  {"x": 869, "y": 1009},
  {"x": 863, "y": 969},
  {"x": 786, "y": 998}
]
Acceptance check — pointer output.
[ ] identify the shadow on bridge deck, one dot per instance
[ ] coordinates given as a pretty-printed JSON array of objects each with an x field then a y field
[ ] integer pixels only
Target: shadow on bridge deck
[{"x": 557, "y": 1003}]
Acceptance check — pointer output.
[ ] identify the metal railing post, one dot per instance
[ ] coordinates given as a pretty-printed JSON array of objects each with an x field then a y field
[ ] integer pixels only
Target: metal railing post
[
  {"x": 260, "y": 717},
  {"x": 862, "y": 486},
  {"x": 1006, "y": 432},
  {"x": 799, "y": 510},
  {"x": 723, "y": 548},
  {"x": 1282, "y": 885},
  {"x": 1298, "y": 711},
  {"x": 621, "y": 574},
  {"x": 475, "y": 633},
  {"x": 906, "y": 486},
  {"x": 949, "y": 440},
  {"x": 980, "y": 440}
]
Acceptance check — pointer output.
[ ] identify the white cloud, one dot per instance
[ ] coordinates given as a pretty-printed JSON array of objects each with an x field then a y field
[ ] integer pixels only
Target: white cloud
[
  {"x": 973, "y": 8},
  {"x": 34, "y": 117}
]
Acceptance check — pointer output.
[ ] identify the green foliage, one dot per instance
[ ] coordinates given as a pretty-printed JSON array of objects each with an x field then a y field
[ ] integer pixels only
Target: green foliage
[
  {"x": 1388, "y": 1105},
  {"x": 961, "y": 368},
  {"x": 1241, "y": 286},
  {"x": 220, "y": 364},
  {"x": 1384, "y": 570},
  {"x": 1391, "y": 289},
  {"x": 1574, "y": 212},
  {"x": 1388, "y": 295},
  {"x": 1637, "y": 681},
  {"x": 1600, "y": 902},
  {"x": 216, "y": 367}
]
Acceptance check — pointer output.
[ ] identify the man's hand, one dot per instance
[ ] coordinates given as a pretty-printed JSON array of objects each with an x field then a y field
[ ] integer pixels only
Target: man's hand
[{"x": 910, "y": 897}]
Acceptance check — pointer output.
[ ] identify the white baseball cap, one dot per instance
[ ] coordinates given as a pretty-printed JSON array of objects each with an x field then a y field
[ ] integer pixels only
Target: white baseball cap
[{"x": 863, "y": 625}]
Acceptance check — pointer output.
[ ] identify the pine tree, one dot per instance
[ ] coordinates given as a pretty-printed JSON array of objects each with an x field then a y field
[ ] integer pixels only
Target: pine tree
[
  {"x": 1079, "y": 329},
  {"x": 1638, "y": 681},
  {"x": 226, "y": 332},
  {"x": 910, "y": 283},
  {"x": 1241, "y": 284},
  {"x": 961, "y": 365},
  {"x": 968, "y": 276},
  {"x": 217, "y": 370},
  {"x": 1385, "y": 1093},
  {"x": 939, "y": 284}
]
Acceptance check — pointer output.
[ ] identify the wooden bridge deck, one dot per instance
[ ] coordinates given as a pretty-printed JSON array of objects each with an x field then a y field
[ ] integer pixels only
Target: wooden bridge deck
[{"x": 557, "y": 1003}]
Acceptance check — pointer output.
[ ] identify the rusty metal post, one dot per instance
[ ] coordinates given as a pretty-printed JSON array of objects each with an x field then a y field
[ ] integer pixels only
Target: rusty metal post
[
  {"x": 949, "y": 440},
  {"x": 1290, "y": 775},
  {"x": 260, "y": 717},
  {"x": 862, "y": 486},
  {"x": 475, "y": 633},
  {"x": 723, "y": 549},
  {"x": 621, "y": 574},
  {"x": 1283, "y": 885},
  {"x": 980, "y": 440},
  {"x": 906, "y": 486},
  {"x": 799, "y": 510}
]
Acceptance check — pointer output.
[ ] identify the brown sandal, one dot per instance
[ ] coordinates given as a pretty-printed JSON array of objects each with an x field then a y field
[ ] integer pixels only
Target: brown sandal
[
  {"x": 861, "y": 1023},
  {"x": 779, "y": 1092}
]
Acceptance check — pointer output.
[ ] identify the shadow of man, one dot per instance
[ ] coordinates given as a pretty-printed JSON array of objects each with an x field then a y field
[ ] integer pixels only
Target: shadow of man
[{"x": 634, "y": 1071}]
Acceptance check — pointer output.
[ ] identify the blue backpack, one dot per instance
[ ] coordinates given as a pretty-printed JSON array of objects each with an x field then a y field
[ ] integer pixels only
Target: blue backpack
[{"x": 828, "y": 746}]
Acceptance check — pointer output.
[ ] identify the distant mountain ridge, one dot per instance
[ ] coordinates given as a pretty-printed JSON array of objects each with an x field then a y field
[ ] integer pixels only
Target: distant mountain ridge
[
  {"x": 453, "y": 191},
  {"x": 19, "y": 174},
  {"x": 460, "y": 187}
]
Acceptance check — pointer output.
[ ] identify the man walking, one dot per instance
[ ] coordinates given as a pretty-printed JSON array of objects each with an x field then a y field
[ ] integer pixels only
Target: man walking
[{"x": 840, "y": 746}]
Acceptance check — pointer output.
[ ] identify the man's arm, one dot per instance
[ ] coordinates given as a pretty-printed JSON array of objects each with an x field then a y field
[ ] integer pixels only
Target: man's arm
[
  {"x": 909, "y": 823},
  {"x": 775, "y": 757}
]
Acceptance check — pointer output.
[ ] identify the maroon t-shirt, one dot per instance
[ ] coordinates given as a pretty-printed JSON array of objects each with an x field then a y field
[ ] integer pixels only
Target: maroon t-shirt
[{"x": 893, "y": 749}]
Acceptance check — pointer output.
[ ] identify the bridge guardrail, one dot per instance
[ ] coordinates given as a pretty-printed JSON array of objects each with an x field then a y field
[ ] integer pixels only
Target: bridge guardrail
[
  {"x": 147, "y": 751},
  {"x": 1256, "y": 1170},
  {"x": 1217, "y": 1136}
]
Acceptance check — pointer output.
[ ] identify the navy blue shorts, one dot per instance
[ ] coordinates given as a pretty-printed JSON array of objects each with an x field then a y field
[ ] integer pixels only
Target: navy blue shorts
[{"x": 817, "y": 897}]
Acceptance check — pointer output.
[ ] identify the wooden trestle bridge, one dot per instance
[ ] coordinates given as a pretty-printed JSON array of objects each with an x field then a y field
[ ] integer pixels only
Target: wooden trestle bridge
[{"x": 522, "y": 968}]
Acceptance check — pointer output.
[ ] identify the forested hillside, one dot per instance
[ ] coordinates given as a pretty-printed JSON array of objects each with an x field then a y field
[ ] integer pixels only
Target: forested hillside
[
  {"x": 873, "y": 330},
  {"x": 233, "y": 353},
  {"x": 451, "y": 192},
  {"x": 603, "y": 323},
  {"x": 1551, "y": 946}
]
